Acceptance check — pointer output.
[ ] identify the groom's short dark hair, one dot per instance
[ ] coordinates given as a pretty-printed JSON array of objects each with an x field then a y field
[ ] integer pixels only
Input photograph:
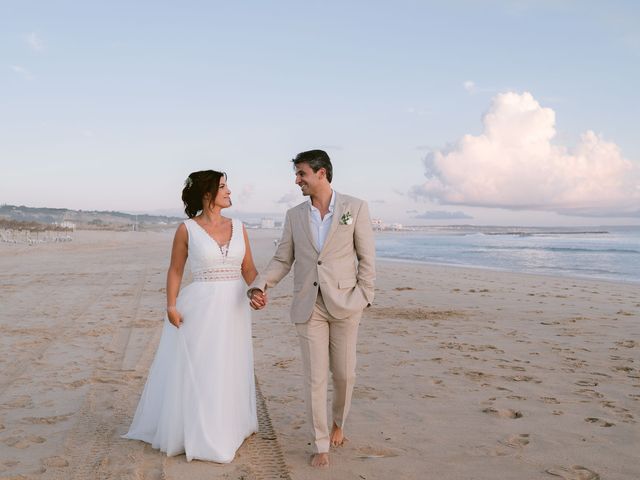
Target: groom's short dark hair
[{"x": 316, "y": 159}]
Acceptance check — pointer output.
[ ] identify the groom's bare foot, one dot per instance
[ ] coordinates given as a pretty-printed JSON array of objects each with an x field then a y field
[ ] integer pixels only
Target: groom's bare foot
[
  {"x": 337, "y": 437},
  {"x": 320, "y": 460}
]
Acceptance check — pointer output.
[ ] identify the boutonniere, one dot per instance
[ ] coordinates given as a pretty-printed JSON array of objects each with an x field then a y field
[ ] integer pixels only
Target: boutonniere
[{"x": 346, "y": 219}]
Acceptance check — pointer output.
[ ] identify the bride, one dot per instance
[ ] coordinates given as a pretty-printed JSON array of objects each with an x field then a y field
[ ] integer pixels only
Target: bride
[{"x": 200, "y": 394}]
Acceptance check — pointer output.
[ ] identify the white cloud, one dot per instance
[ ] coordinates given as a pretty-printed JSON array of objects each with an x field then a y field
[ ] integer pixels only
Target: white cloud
[
  {"x": 417, "y": 111},
  {"x": 469, "y": 86},
  {"x": 442, "y": 215},
  {"x": 513, "y": 164},
  {"x": 22, "y": 71},
  {"x": 246, "y": 193},
  {"x": 35, "y": 42},
  {"x": 290, "y": 198}
]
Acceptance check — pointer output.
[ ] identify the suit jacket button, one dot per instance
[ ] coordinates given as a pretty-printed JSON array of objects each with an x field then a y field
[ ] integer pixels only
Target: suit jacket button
[
  {"x": 319, "y": 262},
  {"x": 315, "y": 284}
]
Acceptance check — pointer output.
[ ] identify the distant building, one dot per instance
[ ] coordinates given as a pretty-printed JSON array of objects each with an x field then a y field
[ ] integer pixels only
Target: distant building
[
  {"x": 397, "y": 226},
  {"x": 67, "y": 224},
  {"x": 377, "y": 224},
  {"x": 267, "y": 223}
]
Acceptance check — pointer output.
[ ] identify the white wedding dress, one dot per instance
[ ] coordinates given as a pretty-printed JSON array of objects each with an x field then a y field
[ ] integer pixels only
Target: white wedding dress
[{"x": 199, "y": 398}]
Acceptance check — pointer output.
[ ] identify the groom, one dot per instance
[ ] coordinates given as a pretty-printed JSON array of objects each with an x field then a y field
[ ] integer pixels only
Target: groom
[{"x": 329, "y": 242}]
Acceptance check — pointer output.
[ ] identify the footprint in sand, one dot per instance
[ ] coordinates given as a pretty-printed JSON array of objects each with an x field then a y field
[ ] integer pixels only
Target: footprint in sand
[
  {"x": 575, "y": 472},
  {"x": 21, "y": 401},
  {"x": 503, "y": 413},
  {"x": 46, "y": 420},
  {"x": 297, "y": 424},
  {"x": 623, "y": 369},
  {"x": 599, "y": 422},
  {"x": 587, "y": 392},
  {"x": 587, "y": 383},
  {"x": 8, "y": 464},
  {"x": 58, "y": 462},
  {"x": 550, "y": 400},
  {"x": 364, "y": 392},
  {"x": 522, "y": 378},
  {"x": 517, "y": 368},
  {"x": 76, "y": 384},
  {"x": 619, "y": 411},
  {"x": 516, "y": 397},
  {"x": 516, "y": 441},
  {"x": 376, "y": 452},
  {"x": 504, "y": 389},
  {"x": 23, "y": 442},
  {"x": 477, "y": 375}
]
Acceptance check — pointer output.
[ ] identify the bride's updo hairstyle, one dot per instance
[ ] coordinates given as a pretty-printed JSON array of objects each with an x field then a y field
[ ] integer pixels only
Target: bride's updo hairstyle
[{"x": 196, "y": 186}]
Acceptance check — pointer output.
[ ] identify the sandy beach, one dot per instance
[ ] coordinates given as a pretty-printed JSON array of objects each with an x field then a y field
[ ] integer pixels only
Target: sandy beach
[{"x": 462, "y": 373}]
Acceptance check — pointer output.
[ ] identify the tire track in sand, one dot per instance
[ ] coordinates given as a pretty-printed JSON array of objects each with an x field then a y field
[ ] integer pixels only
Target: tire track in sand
[{"x": 90, "y": 445}]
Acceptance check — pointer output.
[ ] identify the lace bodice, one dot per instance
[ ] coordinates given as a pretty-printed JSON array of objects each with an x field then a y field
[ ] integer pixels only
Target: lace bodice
[{"x": 211, "y": 262}]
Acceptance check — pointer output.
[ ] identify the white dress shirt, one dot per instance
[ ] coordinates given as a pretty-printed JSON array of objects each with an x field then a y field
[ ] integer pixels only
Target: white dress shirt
[{"x": 320, "y": 226}]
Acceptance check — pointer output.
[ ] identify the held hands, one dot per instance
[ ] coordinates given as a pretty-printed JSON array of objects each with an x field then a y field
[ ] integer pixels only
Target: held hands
[
  {"x": 174, "y": 316},
  {"x": 258, "y": 299}
]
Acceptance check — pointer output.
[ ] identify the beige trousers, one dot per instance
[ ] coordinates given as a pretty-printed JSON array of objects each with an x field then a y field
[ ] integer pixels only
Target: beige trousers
[{"x": 327, "y": 344}]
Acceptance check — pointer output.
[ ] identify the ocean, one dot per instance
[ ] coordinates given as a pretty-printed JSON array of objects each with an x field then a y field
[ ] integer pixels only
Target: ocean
[{"x": 609, "y": 253}]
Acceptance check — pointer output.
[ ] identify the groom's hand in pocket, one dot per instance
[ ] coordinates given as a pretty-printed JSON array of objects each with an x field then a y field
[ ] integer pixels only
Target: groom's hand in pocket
[{"x": 258, "y": 299}]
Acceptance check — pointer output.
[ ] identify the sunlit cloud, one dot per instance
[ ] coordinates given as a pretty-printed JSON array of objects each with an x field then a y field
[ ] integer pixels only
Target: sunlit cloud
[
  {"x": 35, "y": 42},
  {"x": 26, "y": 74},
  {"x": 514, "y": 164}
]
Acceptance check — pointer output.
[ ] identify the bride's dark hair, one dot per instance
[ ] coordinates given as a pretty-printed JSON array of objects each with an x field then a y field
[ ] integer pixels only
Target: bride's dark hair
[{"x": 195, "y": 187}]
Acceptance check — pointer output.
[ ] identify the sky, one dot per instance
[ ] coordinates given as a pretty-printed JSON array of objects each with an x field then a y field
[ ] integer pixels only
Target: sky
[{"x": 512, "y": 112}]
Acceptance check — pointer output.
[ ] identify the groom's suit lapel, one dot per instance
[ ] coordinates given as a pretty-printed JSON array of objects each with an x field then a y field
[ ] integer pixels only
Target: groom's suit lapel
[
  {"x": 335, "y": 220},
  {"x": 305, "y": 221}
]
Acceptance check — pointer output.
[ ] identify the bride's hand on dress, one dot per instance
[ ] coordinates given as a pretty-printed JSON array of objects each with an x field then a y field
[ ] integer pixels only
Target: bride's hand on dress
[{"x": 174, "y": 317}]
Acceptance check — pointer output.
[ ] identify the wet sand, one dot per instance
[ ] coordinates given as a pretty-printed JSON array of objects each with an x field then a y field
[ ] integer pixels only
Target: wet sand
[{"x": 462, "y": 373}]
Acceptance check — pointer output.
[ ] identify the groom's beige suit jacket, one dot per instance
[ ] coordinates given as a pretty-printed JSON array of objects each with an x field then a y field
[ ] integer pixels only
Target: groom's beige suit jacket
[{"x": 344, "y": 269}]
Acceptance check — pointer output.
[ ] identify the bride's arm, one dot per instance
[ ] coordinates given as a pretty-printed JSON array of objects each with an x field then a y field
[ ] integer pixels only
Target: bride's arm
[
  {"x": 174, "y": 274},
  {"x": 249, "y": 272}
]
